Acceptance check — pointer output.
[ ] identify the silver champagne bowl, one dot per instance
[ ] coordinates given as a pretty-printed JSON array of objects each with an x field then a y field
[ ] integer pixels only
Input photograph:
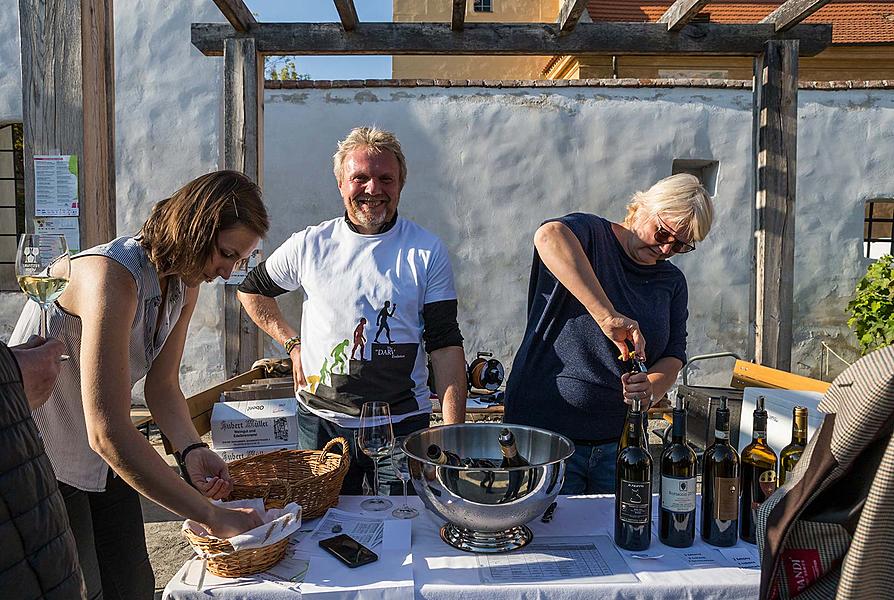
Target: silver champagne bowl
[{"x": 486, "y": 509}]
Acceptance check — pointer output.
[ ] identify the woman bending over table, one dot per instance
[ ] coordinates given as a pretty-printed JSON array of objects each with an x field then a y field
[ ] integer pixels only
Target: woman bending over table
[
  {"x": 124, "y": 316},
  {"x": 595, "y": 286}
]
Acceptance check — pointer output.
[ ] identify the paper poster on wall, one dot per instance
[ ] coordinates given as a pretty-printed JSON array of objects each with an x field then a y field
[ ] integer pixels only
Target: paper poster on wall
[
  {"x": 241, "y": 269},
  {"x": 67, "y": 226},
  {"x": 56, "y": 185}
]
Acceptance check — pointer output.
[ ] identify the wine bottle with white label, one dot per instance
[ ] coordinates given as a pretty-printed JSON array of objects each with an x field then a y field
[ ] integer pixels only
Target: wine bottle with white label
[
  {"x": 791, "y": 454},
  {"x": 758, "y": 474},
  {"x": 676, "y": 509},
  {"x": 720, "y": 485},
  {"x": 633, "y": 487}
]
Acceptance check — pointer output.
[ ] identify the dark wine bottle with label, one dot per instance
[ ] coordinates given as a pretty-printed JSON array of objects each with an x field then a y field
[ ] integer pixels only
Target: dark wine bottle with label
[
  {"x": 720, "y": 485},
  {"x": 676, "y": 516},
  {"x": 758, "y": 474},
  {"x": 633, "y": 487},
  {"x": 791, "y": 454}
]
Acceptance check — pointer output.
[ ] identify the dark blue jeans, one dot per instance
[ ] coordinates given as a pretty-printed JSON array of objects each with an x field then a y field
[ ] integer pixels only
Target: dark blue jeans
[
  {"x": 314, "y": 433},
  {"x": 591, "y": 469}
]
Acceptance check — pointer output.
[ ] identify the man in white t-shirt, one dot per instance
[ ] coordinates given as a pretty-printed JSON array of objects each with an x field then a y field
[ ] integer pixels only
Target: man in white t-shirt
[{"x": 368, "y": 268}]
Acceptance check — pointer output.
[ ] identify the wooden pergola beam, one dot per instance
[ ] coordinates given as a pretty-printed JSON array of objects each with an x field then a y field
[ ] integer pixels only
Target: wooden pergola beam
[
  {"x": 775, "y": 172},
  {"x": 793, "y": 12},
  {"x": 569, "y": 14},
  {"x": 347, "y": 13},
  {"x": 242, "y": 132},
  {"x": 680, "y": 13},
  {"x": 68, "y": 102},
  {"x": 458, "y": 19},
  {"x": 517, "y": 39},
  {"x": 237, "y": 14}
]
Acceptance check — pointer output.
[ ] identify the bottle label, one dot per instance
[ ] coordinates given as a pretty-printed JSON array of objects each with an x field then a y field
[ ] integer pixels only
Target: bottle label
[
  {"x": 636, "y": 500},
  {"x": 726, "y": 498},
  {"x": 721, "y": 434},
  {"x": 767, "y": 483},
  {"x": 678, "y": 494}
]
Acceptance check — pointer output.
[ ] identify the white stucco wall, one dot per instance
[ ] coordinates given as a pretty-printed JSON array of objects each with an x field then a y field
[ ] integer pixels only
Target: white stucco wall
[
  {"x": 166, "y": 133},
  {"x": 486, "y": 167}
]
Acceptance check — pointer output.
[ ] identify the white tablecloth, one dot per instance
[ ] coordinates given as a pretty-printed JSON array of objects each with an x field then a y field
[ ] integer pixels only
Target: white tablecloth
[{"x": 444, "y": 573}]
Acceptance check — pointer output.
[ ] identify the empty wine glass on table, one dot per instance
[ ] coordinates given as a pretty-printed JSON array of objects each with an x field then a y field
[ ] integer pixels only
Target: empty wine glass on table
[
  {"x": 375, "y": 438},
  {"x": 402, "y": 469},
  {"x": 43, "y": 268}
]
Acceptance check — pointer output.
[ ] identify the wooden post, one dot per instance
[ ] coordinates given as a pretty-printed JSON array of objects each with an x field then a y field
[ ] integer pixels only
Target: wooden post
[
  {"x": 68, "y": 106},
  {"x": 242, "y": 135},
  {"x": 775, "y": 172}
]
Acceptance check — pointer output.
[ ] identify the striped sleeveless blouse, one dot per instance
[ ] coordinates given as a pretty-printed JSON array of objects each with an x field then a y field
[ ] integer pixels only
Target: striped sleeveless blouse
[{"x": 61, "y": 420}]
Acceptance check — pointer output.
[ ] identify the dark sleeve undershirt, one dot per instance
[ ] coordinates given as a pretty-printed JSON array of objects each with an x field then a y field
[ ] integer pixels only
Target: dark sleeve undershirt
[
  {"x": 439, "y": 318},
  {"x": 440, "y": 327},
  {"x": 258, "y": 281}
]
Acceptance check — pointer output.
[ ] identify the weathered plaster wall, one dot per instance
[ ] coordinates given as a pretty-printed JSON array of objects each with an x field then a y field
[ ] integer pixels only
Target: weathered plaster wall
[
  {"x": 10, "y": 62},
  {"x": 167, "y": 132},
  {"x": 486, "y": 166}
]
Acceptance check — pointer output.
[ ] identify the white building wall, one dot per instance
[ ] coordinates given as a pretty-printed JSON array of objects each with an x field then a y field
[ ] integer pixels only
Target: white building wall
[{"x": 486, "y": 166}]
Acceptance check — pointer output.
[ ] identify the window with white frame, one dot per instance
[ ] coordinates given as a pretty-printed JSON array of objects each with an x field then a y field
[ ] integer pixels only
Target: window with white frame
[
  {"x": 12, "y": 200},
  {"x": 878, "y": 228},
  {"x": 483, "y": 6}
]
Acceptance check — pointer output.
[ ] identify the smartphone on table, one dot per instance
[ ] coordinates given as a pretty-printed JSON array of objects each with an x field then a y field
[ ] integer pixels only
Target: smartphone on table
[{"x": 348, "y": 550}]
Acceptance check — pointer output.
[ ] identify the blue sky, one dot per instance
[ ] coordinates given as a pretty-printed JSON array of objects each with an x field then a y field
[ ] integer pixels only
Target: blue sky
[{"x": 323, "y": 11}]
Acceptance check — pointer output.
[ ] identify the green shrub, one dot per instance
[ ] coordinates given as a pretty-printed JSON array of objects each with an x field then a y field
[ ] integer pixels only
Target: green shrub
[{"x": 872, "y": 309}]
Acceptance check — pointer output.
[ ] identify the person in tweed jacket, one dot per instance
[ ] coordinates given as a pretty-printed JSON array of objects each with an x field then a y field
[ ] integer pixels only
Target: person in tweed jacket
[{"x": 829, "y": 531}]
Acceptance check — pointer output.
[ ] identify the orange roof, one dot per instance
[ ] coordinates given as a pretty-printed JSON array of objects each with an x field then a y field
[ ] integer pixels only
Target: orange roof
[{"x": 867, "y": 22}]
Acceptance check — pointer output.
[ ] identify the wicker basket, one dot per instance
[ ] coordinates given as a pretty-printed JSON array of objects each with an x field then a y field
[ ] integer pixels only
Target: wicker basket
[
  {"x": 223, "y": 561},
  {"x": 312, "y": 478}
]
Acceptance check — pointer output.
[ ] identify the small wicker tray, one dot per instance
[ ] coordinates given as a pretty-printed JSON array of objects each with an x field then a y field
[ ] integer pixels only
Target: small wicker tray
[
  {"x": 312, "y": 478},
  {"x": 223, "y": 561}
]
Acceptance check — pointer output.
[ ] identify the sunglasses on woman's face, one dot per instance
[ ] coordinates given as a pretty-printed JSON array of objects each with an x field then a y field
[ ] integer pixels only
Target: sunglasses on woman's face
[{"x": 664, "y": 235}]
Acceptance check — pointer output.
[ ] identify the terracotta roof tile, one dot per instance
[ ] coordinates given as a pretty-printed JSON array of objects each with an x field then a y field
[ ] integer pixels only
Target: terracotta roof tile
[{"x": 867, "y": 22}]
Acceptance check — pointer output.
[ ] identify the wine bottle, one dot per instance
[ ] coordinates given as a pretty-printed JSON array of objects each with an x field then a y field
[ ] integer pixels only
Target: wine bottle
[
  {"x": 633, "y": 487},
  {"x": 676, "y": 517},
  {"x": 636, "y": 365},
  {"x": 791, "y": 454},
  {"x": 720, "y": 485},
  {"x": 511, "y": 458},
  {"x": 436, "y": 455},
  {"x": 758, "y": 474}
]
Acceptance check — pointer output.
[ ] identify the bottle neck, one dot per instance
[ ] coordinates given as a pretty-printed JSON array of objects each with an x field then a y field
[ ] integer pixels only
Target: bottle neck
[
  {"x": 759, "y": 431},
  {"x": 721, "y": 428},
  {"x": 678, "y": 433},
  {"x": 634, "y": 426},
  {"x": 799, "y": 430},
  {"x": 509, "y": 451}
]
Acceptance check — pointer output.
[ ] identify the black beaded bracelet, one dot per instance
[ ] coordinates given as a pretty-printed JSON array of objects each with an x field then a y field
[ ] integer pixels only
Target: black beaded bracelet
[
  {"x": 190, "y": 448},
  {"x": 181, "y": 460}
]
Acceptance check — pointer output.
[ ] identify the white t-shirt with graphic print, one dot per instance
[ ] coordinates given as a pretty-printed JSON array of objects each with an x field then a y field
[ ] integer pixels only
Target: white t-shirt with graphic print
[{"x": 361, "y": 320}]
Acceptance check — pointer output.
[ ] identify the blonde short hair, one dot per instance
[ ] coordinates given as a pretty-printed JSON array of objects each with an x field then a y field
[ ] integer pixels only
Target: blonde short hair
[
  {"x": 375, "y": 141},
  {"x": 681, "y": 199}
]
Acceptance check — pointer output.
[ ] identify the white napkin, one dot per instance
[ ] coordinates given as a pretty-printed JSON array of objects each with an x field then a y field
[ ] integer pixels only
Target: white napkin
[{"x": 279, "y": 523}]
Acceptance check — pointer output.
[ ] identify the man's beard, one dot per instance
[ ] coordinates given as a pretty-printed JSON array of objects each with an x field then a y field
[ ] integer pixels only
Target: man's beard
[{"x": 375, "y": 218}]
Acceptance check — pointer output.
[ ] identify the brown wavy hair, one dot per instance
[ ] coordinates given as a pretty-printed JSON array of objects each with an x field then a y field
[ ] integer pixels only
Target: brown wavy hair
[{"x": 181, "y": 231}]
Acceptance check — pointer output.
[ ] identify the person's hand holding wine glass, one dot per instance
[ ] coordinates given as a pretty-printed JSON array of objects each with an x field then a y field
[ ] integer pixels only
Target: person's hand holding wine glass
[
  {"x": 375, "y": 438},
  {"x": 43, "y": 267}
]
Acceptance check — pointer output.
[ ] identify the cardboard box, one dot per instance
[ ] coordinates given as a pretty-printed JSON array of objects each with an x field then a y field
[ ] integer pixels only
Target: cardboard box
[
  {"x": 254, "y": 422},
  {"x": 231, "y": 454}
]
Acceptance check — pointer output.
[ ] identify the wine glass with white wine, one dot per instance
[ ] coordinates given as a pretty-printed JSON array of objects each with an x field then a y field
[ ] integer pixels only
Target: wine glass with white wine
[{"x": 43, "y": 268}]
